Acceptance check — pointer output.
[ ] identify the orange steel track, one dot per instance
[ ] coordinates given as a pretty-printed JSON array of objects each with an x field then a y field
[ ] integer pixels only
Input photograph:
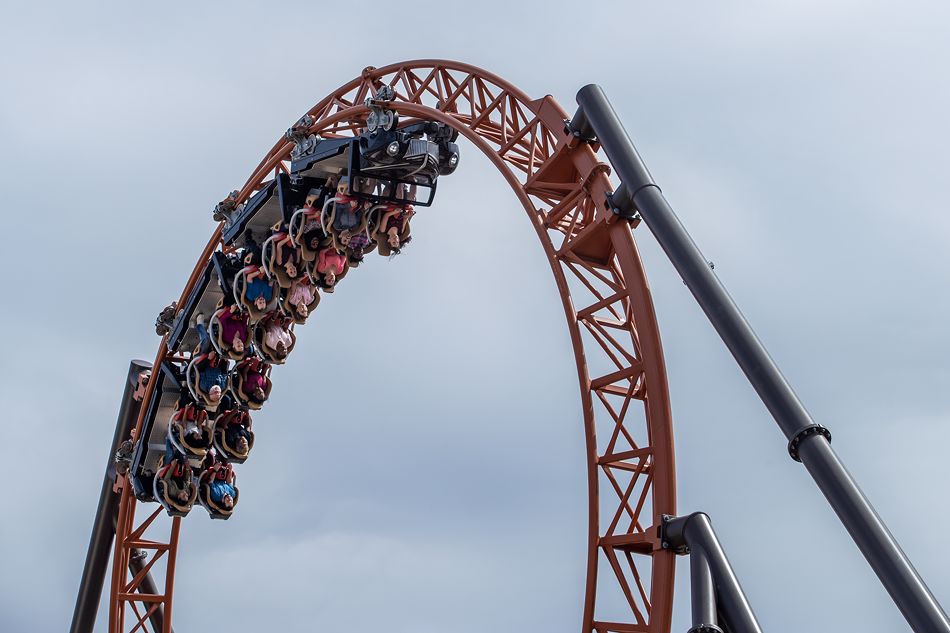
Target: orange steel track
[{"x": 562, "y": 185}]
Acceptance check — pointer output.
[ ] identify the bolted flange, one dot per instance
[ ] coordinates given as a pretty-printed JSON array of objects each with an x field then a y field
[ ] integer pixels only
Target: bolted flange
[{"x": 802, "y": 434}]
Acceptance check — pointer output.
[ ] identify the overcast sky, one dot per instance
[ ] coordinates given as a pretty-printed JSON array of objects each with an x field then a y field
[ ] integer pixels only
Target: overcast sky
[{"x": 435, "y": 481}]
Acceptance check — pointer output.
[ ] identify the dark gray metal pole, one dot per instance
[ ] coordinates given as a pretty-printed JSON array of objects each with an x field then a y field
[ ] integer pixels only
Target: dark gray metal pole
[
  {"x": 103, "y": 529},
  {"x": 695, "y": 531},
  {"x": 808, "y": 441},
  {"x": 702, "y": 594}
]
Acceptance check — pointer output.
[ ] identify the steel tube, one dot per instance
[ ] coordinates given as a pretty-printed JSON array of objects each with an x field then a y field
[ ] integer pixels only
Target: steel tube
[
  {"x": 882, "y": 551},
  {"x": 103, "y": 528},
  {"x": 691, "y": 265},
  {"x": 702, "y": 593},
  {"x": 732, "y": 601},
  {"x": 695, "y": 531},
  {"x": 895, "y": 571}
]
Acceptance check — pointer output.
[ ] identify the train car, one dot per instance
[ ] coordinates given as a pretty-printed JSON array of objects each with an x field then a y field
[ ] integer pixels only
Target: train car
[{"x": 385, "y": 164}]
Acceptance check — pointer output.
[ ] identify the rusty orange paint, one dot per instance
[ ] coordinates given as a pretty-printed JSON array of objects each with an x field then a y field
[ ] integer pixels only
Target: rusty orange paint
[{"x": 562, "y": 185}]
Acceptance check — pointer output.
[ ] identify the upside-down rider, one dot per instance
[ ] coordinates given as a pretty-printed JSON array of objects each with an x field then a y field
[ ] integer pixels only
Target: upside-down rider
[
  {"x": 176, "y": 474},
  {"x": 212, "y": 370},
  {"x": 234, "y": 327},
  {"x": 330, "y": 265},
  {"x": 221, "y": 484}
]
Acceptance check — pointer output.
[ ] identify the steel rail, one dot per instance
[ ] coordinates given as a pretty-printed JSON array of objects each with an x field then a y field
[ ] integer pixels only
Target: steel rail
[{"x": 561, "y": 185}]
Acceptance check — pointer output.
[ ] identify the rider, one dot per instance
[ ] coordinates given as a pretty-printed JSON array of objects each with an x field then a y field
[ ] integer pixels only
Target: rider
[
  {"x": 285, "y": 255},
  {"x": 176, "y": 474},
  {"x": 236, "y": 423},
  {"x": 258, "y": 290},
  {"x": 255, "y": 379},
  {"x": 213, "y": 377},
  {"x": 311, "y": 232},
  {"x": 234, "y": 327},
  {"x": 347, "y": 209},
  {"x": 330, "y": 264},
  {"x": 192, "y": 421},
  {"x": 277, "y": 335},
  {"x": 394, "y": 226},
  {"x": 300, "y": 295},
  {"x": 221, "y": 485}
]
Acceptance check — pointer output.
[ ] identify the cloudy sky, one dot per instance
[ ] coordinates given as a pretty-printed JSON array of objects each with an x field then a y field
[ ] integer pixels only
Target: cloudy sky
[{"x": 434, "y": 480}]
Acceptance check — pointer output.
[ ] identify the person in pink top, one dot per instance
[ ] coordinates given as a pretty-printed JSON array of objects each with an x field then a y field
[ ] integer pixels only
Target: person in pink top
[
  {"x": 330, "y": 264},
  {"x": 301, "y": 295}
]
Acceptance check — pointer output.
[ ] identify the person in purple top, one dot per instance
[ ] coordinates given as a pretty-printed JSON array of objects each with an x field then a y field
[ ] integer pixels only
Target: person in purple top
[{"x": 234, "y": 328}]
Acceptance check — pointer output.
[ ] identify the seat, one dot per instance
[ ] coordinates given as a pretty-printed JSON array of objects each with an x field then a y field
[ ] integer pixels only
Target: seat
[
  {"x": 339, "y": 225},
  {"x": 319, "y": 278},
  {"x": 235, "y": 416},
  {"x": 248, "y": 372},
  {"x": 194, "y": 450},
  {"x": 233, "y": 321},
  {"x": 380, "y": 223},
  {"x": 293, "y": 297},
  {"x": 252, "y": 283},
  {"x": 215, "y": 510},
  {"x": 358, "y": 246},
  {"x": 193, "y": 377},
  {"x": 277, "y": 252},
  {"x": 176, "y": 476},
  {"x": 306, "y": 226},
  {"x": 272, "y": 330}
]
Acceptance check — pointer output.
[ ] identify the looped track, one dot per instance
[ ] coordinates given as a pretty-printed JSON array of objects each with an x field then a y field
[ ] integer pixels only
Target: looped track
[{"x": 627, "y": 424}]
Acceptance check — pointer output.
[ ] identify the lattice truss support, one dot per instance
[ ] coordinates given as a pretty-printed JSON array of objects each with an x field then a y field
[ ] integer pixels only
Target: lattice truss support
[
  {"x": 563, "y": 186},
  {"x": 141, "y": 551}
]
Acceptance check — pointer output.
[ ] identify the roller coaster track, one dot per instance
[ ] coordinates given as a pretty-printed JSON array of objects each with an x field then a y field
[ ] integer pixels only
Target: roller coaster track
[{"x": 563, "y": 186}]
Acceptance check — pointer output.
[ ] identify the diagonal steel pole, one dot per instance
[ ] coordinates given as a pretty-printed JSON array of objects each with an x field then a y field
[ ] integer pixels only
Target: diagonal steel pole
[
  {"x": 717, "y": 596},
  {"x": 103, "y": 529},
  {"x": 809, "y": 443}
]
